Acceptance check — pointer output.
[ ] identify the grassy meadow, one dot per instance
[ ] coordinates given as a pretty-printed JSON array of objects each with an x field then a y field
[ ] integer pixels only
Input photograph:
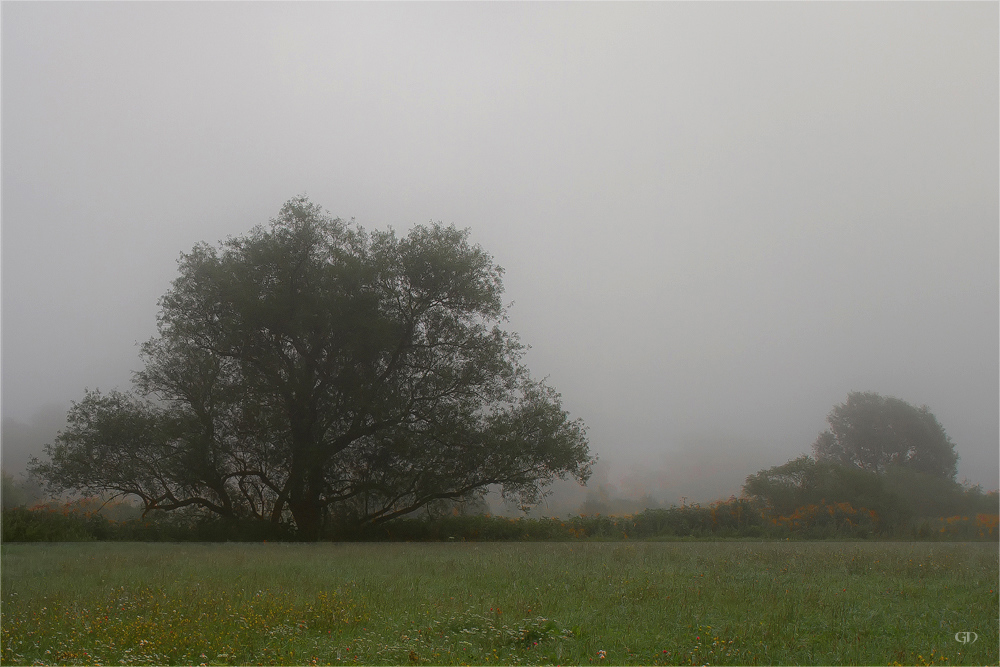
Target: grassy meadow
[{"x": 584, "y": 603}]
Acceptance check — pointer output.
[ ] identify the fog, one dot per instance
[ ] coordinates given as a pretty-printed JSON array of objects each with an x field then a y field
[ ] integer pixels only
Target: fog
[{"x": 716, "y": 219}]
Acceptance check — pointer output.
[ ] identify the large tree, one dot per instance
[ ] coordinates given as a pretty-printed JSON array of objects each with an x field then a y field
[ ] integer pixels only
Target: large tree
[
  {"x": 314, "y": 373},
  {"x": 875, "y": 432}
]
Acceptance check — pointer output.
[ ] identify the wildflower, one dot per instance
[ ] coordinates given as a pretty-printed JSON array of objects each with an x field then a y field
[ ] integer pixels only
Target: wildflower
[{"x": 602, "y": 654}]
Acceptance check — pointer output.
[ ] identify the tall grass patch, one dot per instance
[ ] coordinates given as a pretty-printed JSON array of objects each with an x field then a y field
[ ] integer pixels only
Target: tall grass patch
[{"x": 508, "y": 603}]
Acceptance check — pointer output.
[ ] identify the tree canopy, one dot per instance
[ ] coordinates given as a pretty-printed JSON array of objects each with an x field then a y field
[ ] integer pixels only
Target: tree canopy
[
  {"x": 880, "y": 453},
  {"x": 804, "y": 481},
  {"x": 875, "y": 432},
  {"x": 898, "y": 496},
  {"x": 314, "y": 373}
]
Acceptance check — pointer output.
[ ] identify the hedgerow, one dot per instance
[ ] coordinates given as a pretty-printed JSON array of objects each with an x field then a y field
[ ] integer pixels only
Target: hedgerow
[{"x": 734, "y": 518}]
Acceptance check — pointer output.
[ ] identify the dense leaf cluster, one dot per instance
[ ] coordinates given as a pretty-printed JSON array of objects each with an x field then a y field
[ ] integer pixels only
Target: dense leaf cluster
[{"x": 875, "y": 433}]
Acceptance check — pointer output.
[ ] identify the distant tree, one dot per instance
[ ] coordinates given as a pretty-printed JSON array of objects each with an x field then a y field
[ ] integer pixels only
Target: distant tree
[
  {"x": 805, "y": 481},
  {"x": 874, "y": 433},
  {"x": 604, "y": 500},
  {"x": 898, "y": 496},
  {"x": 880, "y": 453},
  {"x": 315, "y": 373},
  {"x": 782, "y": 488},
  {"x": 21, "y": 491}
]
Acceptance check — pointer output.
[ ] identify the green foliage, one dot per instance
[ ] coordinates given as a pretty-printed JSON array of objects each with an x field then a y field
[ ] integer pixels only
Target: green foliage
[
  {"x": 64, "y": 523},
  {"x": 316, "y": 374},
  {"x": 735, "y": 518},
  {"x": 804, "y": 481},
  {"x": 881, "y": 454},
  {"x": 23, "y": 525},
  {"x": 901, "y": 496},
  {"x": 875, "y": 433}
]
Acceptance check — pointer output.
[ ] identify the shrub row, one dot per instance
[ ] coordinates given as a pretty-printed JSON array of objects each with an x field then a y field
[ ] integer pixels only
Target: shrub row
[
  {"x": 736, "y": 518},
  {"x": 46, "y": 524}
]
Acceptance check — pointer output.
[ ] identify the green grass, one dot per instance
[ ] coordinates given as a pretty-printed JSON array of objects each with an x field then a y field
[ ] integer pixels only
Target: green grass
[{"x": 508, "y": 603}]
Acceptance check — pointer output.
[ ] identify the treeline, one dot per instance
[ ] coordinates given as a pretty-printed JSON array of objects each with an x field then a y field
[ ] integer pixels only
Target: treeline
[
  {"x": 885, "y": 470},
  {"x": 734, "y": 518},
  {"x": 900, "y": 496}
]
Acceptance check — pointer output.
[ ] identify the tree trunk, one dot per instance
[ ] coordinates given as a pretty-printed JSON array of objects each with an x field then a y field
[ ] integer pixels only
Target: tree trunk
[
  {"x": 304, "y": 479},
  {"x": 307, "y": 514},
  {"x": 304, "y": 502}
]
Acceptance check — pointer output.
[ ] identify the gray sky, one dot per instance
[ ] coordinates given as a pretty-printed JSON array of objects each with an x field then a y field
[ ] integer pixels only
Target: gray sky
[{"x": 716, "y": 219}]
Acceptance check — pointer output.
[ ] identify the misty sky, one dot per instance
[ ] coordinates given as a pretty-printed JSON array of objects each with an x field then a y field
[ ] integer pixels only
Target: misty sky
[{"x": 716, "y": 219}]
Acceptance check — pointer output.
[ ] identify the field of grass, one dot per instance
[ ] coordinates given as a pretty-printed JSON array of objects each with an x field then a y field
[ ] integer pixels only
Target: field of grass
[{"x": 584, "y": 603}]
